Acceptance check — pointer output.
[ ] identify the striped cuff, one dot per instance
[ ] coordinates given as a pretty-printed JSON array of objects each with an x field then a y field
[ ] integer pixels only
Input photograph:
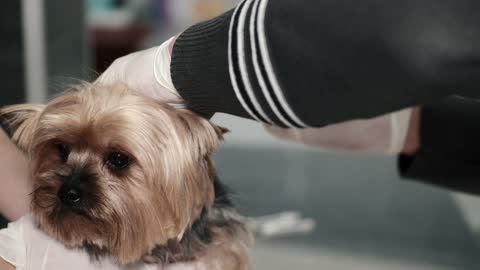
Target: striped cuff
[
  {"x": 251, "y": 71},
  {"x": 199, "y": 68},
  {"x": 224, "y": 65}
]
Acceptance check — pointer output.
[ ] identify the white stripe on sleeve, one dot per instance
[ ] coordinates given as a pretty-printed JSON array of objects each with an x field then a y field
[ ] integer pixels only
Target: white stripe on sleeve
[
  {"x": 233, "y": 77},
  {"x": 268, "y": 65},
  {"x": 261, "y": 80},
  {"x": 241, "y": 60}
]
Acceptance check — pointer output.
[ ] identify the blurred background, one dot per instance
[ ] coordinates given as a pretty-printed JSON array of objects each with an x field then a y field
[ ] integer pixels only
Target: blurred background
[{"x": 359, "y": 214}]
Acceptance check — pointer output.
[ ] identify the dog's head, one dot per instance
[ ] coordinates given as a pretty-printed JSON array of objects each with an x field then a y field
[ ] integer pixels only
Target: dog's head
[{"x": 113, "y": 170}]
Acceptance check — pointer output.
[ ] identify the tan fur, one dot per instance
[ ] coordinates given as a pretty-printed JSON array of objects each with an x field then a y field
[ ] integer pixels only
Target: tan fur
[
  {"x": 22, "y": 118},
  {"x": 230, "y": 251},
  {"x": 153, "y": 201}
]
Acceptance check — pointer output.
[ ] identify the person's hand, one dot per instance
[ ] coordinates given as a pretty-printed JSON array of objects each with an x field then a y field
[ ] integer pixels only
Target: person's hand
[
  {"x": 391, "y": 133},
  {"x": 147, "y": 72}
]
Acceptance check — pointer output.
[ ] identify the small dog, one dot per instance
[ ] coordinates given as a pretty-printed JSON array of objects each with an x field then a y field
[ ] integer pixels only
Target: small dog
[{"x": 123, "y": 176}]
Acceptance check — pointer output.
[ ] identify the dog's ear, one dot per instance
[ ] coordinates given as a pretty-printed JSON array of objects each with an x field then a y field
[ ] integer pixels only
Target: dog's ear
[
  {"x": 205, "y": 135},
  {"x": 221, "y": 131},
  {"x": 21, "y": 120}
]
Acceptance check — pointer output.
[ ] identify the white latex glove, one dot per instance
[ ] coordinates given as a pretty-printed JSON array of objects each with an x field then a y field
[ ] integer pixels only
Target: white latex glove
[
  {"x": 383, "y": 134},
  {"x": 147, "y": 72},
  {"x": 27, "y": 248}
]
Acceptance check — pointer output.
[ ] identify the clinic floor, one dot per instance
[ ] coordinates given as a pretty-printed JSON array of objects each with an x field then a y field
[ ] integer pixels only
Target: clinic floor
[{"x": 366, "y": 217}]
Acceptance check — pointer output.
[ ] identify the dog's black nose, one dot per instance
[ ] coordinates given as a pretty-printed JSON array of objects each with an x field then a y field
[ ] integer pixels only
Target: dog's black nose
[{"x": 70, "y": 196}]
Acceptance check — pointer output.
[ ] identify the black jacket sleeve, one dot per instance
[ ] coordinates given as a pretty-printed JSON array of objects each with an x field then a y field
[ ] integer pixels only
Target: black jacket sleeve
[
  {"x": 450, "y": 141},
  {"x": 316, "y": 62}
]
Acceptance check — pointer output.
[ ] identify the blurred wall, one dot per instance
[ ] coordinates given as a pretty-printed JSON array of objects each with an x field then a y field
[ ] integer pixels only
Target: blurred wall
[
  {"x": 66, "y": 43},
  {"x": 43, "y": 47},
  {"x": 11, "y": 53}
]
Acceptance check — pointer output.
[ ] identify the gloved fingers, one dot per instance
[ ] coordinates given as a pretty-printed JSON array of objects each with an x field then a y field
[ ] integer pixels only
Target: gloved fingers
[{"x": 146, "y": 72}]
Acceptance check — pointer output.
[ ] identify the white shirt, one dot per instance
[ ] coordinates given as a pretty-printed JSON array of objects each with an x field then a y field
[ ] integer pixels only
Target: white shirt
[{"x": 24, "y": 246}]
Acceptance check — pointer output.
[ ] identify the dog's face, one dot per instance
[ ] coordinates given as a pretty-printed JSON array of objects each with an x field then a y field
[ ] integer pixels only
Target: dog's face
[{"x": 114, "y": 171}]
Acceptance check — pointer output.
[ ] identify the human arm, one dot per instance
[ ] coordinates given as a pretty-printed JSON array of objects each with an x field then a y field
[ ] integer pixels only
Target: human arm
[
  {"x": 14, "y": 180},
  {"x": 439, "y": 148},
  {"x": 5, "y": 265},
  {"x": 314, "y": 63},
  {"x": 332, "y": 60},
  {"x": 391, "y": 133}
]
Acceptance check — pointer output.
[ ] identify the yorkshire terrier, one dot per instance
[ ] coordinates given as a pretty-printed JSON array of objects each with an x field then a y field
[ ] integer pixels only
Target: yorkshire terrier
[{"x": 120, "y": 175}]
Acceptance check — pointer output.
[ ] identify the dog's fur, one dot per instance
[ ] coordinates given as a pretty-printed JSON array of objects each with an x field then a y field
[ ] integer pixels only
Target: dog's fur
[{"x": 164, "y": 206}]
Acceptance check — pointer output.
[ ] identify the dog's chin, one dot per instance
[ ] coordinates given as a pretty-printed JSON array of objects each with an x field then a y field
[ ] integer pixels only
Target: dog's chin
[
  {"x": 75, "y": 228},
  {"x": 80, "y": 229}
]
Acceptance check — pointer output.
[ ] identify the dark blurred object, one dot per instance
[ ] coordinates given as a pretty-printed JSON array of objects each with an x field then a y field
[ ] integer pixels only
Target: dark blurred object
[
  {"x": 11, "y": 55},
  {"x": 117, "y": 28},
  {"x": 119, "y": 3},
  {"x": 3, "y": 222},
  {"x": 109, "y": 44},
  {"x": 66, "y": 42}
]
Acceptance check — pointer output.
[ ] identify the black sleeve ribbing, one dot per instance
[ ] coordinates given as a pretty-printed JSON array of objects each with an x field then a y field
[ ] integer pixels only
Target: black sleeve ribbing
[
  {"x": 199, "y": 68},
  {"x": 332, "y": 60}
]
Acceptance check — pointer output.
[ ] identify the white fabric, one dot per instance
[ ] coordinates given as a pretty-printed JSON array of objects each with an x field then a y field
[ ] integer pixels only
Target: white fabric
[
  {"x": 28, "y": 248},
  {"x": 400, "y": 122},
  {"x": 11, "y": 248},
  {"x": 147, "y": 72},
  {"x": 383, "y": 134},
  {"x": 161, "y": 66}
]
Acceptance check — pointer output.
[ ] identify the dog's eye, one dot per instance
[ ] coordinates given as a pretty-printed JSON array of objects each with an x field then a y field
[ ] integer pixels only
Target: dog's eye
[
  {"x": 117, "y": 160},
  {"x": 63, "y": 151}
]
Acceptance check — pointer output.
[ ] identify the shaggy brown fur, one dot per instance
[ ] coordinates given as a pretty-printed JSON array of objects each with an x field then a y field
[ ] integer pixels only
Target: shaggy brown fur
[{"x": 163, "y": 206}]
